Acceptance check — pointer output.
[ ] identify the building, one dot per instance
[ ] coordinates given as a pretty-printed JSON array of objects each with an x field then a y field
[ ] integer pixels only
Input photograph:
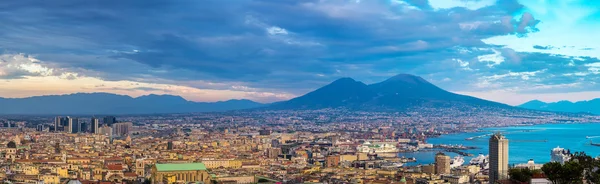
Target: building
[
  {"x": 73, "y": 125},
  {"x": 106, "y": 130},
  {"x": 333, "y": 160},
  {"x": 94, "y": 125},
  {"x": 40, "y": 127},
  {"x": 531, "y": 165},
  {"x": 84, "y": 127},
  {"x": 57, "y": 123},
  {"x": 122, "y": 129},
  {"x": 560, "y": 155},
  {"x": 442, "y": 163},
  {"x": 498, "y": 158},
  {"x": 428, "y": 169},
  {"x": 179, "y": 172},
  {"x": 109, "y": 120}
]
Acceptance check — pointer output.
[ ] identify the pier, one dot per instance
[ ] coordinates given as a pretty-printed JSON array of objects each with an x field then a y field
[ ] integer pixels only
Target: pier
[
  {"x": 461, "y": 153},
  {"x": 594, "y": 144},
  {"x": 477, "y": 137}
]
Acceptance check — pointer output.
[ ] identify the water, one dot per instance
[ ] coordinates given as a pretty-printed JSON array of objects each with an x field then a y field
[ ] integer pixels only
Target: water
[{"x": 522, "y": 145}]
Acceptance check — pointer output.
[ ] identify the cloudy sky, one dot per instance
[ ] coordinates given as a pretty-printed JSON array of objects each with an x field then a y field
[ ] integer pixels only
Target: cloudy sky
[{"x": 509, "y": 51}]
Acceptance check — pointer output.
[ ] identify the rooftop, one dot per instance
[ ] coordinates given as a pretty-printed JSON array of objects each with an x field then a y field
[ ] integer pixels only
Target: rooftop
[{"x": 181, "y": 167}]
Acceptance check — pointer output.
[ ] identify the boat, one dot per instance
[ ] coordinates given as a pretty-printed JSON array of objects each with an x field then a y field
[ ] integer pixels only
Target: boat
[
  {"x": 560, "y": 155},
  {"x": 392, "y": 165},
  {"x": 479, "y": 160},
  {"x": 457, "y": 161}
]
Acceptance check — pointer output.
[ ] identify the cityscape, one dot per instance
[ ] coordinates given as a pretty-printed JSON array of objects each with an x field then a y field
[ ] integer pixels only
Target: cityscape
[{"x": 300, "y": 92}]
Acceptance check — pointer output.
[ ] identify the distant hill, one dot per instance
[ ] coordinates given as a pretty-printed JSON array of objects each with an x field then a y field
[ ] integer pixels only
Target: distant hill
[
  {"x": 397, "y": 93},
  {"x": 591, "y": 106},
  {"x": 106, "y": 103}
]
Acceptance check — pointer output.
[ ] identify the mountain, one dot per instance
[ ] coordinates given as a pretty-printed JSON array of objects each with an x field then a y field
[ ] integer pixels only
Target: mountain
[
  {"x": 397, "y": 93},
  {"x": 106, "y": 103},
  {"x": 591, "y": 106}
]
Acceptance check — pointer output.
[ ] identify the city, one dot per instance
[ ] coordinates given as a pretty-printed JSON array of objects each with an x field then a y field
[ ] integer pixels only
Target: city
[
  {"x": 299, "y": 92},
  {"x": 253, "y": 147}
]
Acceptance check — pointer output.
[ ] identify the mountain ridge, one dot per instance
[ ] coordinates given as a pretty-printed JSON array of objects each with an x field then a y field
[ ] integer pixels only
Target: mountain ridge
[
  {"x": 585, "y": 106},
  {"x": 109, "y": 103}
]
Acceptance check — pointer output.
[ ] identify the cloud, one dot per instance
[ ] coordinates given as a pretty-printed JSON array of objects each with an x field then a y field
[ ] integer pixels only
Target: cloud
[
  {"x": 543, "y": 47},
  {"x": 20, "y": 65},
  {"x": 274, "y": 49}
]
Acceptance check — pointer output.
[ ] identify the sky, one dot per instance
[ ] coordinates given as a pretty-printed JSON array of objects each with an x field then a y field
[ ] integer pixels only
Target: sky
[{"x": 510, "y": 51}]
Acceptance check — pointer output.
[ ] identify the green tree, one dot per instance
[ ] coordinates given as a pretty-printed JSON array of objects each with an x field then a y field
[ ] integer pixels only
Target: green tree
[
  {"x": 572, "y": 172},
  {"x": 553, "y": 171},
  {"x": 590, "y": 165},
  {"x": 521, "y": 175},
  {"x": 569, "y": 173}
]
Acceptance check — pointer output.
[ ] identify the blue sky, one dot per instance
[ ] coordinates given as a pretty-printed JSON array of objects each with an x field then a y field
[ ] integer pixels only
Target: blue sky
[{"x": 268, "y": 50}]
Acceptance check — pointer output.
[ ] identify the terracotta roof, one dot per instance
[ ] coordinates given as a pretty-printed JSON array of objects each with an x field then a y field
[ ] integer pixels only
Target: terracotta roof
[
  {"x": 115, "y": 167},
  {"x": 129, "y": 174}
]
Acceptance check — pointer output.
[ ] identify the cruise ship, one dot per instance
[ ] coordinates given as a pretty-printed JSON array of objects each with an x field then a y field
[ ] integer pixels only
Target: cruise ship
[
  {"x": 457, "y": 161},
  {"x": 481, "y": 160},
  {"x": 560, "y": 155},
  {"x": 368, "y": 147}
]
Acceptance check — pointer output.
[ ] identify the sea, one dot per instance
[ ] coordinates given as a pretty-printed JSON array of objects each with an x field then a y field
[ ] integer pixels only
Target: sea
[{"x": 525, "y": 142}]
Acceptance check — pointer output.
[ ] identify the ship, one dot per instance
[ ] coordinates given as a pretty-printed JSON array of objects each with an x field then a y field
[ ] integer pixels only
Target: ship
[
  {"x": 392, "y": 165},
  {"x": 560, "y": 155},
  {"x": 481, "y": 161},
  {"x": 368, "y": 147},
  {"x": 457, "y": 161}
]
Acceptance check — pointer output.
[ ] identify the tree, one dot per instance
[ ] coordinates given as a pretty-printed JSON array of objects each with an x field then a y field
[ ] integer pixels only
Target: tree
[
  {"x": 521, "y": 175},
  {"x": 570, "y": 172},
  {"x": 553, "y": 171},
  {"x": 591, "y": 166}
]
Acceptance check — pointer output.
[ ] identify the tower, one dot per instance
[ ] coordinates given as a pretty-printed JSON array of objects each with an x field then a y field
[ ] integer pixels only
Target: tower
[
  {"x": 74, "y": 125},
  {"x": 57, "y": 123},
  {"x": 94, "y": 125},
  {"x": 442, "y": 163},
  {"x": 498, "y": 157}
]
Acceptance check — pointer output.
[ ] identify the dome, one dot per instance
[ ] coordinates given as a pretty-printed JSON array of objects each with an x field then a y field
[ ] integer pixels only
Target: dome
[
  {"x": 11, "y": 144},
  {"x": 74, "y": 182}
]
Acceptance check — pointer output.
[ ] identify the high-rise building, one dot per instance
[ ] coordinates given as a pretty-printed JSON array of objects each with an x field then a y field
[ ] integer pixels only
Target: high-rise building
[
  {"x": 57, "y": 123},
  {"x": 74, "y": 126},
  {"x": 122, "y": 129},
  {"x": 94, "y": 125},
  {"x": 110, "y": 120},
  {"x": 40, "y": 127},
  {"x": 84, "y": 127},
  {"x": 442, "y": 163},
  {"x": 498, "y": 158}
]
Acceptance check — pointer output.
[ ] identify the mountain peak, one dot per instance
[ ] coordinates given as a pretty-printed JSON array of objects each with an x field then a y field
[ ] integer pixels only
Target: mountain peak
[
  {"x": 408, "y": 78},
  {"x": 344, "y": 80}
]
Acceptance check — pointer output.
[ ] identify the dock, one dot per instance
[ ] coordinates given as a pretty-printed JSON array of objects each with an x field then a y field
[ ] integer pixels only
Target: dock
[{"x": 461, "y": 153}]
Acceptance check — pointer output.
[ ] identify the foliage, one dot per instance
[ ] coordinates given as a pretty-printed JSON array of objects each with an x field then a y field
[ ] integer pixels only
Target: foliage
[
  {"x": 581, "y": 166},
  {"x": 553, "y": 171},
  {"x": 521, "y": 175}
]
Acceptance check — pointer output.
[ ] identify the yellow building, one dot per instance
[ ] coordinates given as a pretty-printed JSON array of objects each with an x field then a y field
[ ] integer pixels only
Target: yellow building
[
  {"x": 348, "y": 158},
  {"x": 62, "y": 172},
  {"x": 180, "y": 172},
  {"x": 50, "y": 179},
  {"x": 212, "y": 164},
  {"x": 80, "y": 161},
  {"x": 31, "y": 170}
]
